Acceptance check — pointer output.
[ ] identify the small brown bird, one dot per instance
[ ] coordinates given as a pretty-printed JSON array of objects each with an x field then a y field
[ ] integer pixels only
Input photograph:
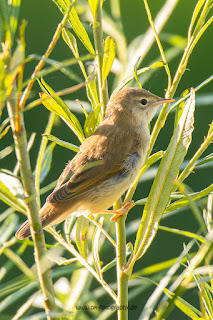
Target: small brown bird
[{"x": 108, "y": 161}]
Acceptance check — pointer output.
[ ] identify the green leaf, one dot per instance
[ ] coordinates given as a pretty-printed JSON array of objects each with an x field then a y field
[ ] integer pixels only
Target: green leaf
[
  {"x": 16, "y": 60},
  {"x": 95, "y": 248},
  {"x": 7, "y": 228},
  {"x": 11, "y": 190},
  {"x": 62, "y": 143},
  {"x": 109, "y": 56},
  {"x": 76, "y": 25},
  {"x": 163, "y": 183},
  {"x": 4, "y": 131},
  {"x": 70, "y": 41},
  {"x": 157, "y": 64},
  {"x": 108, "y": 266},
  {"x": 93, "y": 6},
  {"x": 69, "y": 225},
  {"x": 80, "y": 30},
  {"x": 9, "y": 12},
  {"x": 205, "y": 160},
  {"x": 185, "y": 202},
  {"x": 92, "y": 93},
  {"x": 185, "y": 307},
  {"x": 150, "y": 161},
  {"x": 46, "y": 161},
  {"x": 80, "y": 235},
  {"x": 194, "y": 16},
  {"x": 179, "y": 109},
  {"x": 183, "y": 233},
  {"x": 91, "y": 121},
  {"x": 56, "y": 105}
]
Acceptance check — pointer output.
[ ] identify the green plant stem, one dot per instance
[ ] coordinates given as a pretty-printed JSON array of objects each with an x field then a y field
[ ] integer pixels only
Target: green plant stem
[
  {"x": 41, "y": 155},
  {"x": 122, "y": 278},
  {"x": 82, "y": 261},
  {"x": 98, "y": 39},
  {"x": 192, "y": 41},
  {"x": 159, "y": 44},
  {"x": 20, "y": 138},
  {"x": 45, "y": 56}
]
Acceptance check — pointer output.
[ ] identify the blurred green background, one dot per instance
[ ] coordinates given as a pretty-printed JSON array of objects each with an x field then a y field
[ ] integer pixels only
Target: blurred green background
[{"x": 43, "y": 17}]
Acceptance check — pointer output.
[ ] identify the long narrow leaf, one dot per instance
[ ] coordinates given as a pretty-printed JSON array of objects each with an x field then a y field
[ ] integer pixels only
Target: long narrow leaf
[
  {"x": 163, "y": 183},
  {"x": 11, "y": 190},
  {"x": 76, "y": 25},
  {"x": 56, "y": 105},
  {"x": 62, "y": 143},
  {"x": 109, "y": 56}
]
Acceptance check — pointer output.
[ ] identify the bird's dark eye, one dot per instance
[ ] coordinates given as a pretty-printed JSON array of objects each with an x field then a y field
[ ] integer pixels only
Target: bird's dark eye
[{"x": 143, "y": 102}]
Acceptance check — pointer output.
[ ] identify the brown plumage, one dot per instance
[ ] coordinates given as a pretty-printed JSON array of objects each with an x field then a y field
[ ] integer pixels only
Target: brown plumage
[{"x": 108, "y": 161}]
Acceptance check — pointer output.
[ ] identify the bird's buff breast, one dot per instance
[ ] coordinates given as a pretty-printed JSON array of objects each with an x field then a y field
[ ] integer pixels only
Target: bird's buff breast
[{"x": 102, "y": 197}]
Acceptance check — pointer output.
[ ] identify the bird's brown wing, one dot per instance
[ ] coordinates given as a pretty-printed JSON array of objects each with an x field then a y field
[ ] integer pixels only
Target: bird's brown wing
[{"x": 93, "y": 165}]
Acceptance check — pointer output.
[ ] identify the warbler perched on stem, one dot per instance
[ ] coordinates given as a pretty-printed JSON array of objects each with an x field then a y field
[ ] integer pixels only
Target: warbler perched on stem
[{"x": 108, "y": 161}]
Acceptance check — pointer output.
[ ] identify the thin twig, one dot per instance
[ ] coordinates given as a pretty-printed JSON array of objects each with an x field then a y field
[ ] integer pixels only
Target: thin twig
[
  {"x": 149, "y": 36},
  {"x": 98, "y": 39},
  {"x": 82, "y": 261},
  {"x": 46, "y": 55}
]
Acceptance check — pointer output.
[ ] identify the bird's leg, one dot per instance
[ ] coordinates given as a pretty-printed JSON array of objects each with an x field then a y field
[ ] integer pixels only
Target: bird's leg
[{"x": 123, "y": 210}]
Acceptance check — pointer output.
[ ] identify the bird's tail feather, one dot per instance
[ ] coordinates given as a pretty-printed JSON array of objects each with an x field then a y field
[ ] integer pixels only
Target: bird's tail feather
[{"x": 24, "y": 231}]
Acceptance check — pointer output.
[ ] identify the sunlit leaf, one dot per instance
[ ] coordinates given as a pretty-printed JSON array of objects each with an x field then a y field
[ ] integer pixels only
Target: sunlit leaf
[
  {"x": 93, "y": 6},
  {"x": 179, "y": 109},
  {"x": 56, "y": 105},
  {"x": 91, "y": 121},
  {"x": 163, "y": 183},
  {"x": 183, "y": 233},
  {"x": 80, "y": 235},
  {"x": 4, "y": 132},
  {"x": 157, "y": 64},
  {"x": 109, "y": 56},
  {"x": 7, "y": 228},
  {"x": 47, "y": 161},
  {"x": 70, "y": 41},
  {"x": 150, "y": 161},
  {"x": 92, "y": 93},
  {"x": 185, "y": 202},
  {"x": 205, "y": 160},
  {"x": 76, "y": 25},
  {"x": 95, "y": 248},
  {"x": 11, "y": 190},
  {"x": 62, "y": 143}
]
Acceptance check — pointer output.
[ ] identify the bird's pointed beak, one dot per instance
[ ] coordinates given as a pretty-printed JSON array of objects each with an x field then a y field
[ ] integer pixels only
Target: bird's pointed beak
[{"x": 162, "y": 101}]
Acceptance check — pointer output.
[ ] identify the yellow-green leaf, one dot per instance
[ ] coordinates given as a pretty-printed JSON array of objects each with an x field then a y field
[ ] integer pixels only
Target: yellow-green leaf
[
  {"x": 56, "y": 105},
  {"x": 70, "y": 41},
  {"x": 80, "y": 30},
  {"x": 163, "y": 183},
  {"x": 93, "y": 6},
  {"x": 109, "y": 56},
  {"x": 62, "y": 143},
  {"x": 91, "y": 121},
  {"x": 80, "y": 236}
]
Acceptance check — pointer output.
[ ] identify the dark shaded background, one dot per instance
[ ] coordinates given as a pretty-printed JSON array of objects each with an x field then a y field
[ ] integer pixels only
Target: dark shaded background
[{"x": 43, "y": 17}]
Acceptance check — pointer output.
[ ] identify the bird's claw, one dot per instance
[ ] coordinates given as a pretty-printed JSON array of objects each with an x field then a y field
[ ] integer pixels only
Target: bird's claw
[{"x": 123, "y": 210}]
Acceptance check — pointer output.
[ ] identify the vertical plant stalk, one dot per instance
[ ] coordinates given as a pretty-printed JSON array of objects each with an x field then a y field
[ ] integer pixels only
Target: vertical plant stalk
[
  {"x": 192, "y": 41},
  {"x": 98, "y": 39},
  {"x": 42, "y": 149},
  {"x": 149, "y": 37},
  {"x": 82, "y": 261},
  {"x": 122, "y": 278},
  {"x": 45, "y": 56},
  {"x": 20, "y": 139}
]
